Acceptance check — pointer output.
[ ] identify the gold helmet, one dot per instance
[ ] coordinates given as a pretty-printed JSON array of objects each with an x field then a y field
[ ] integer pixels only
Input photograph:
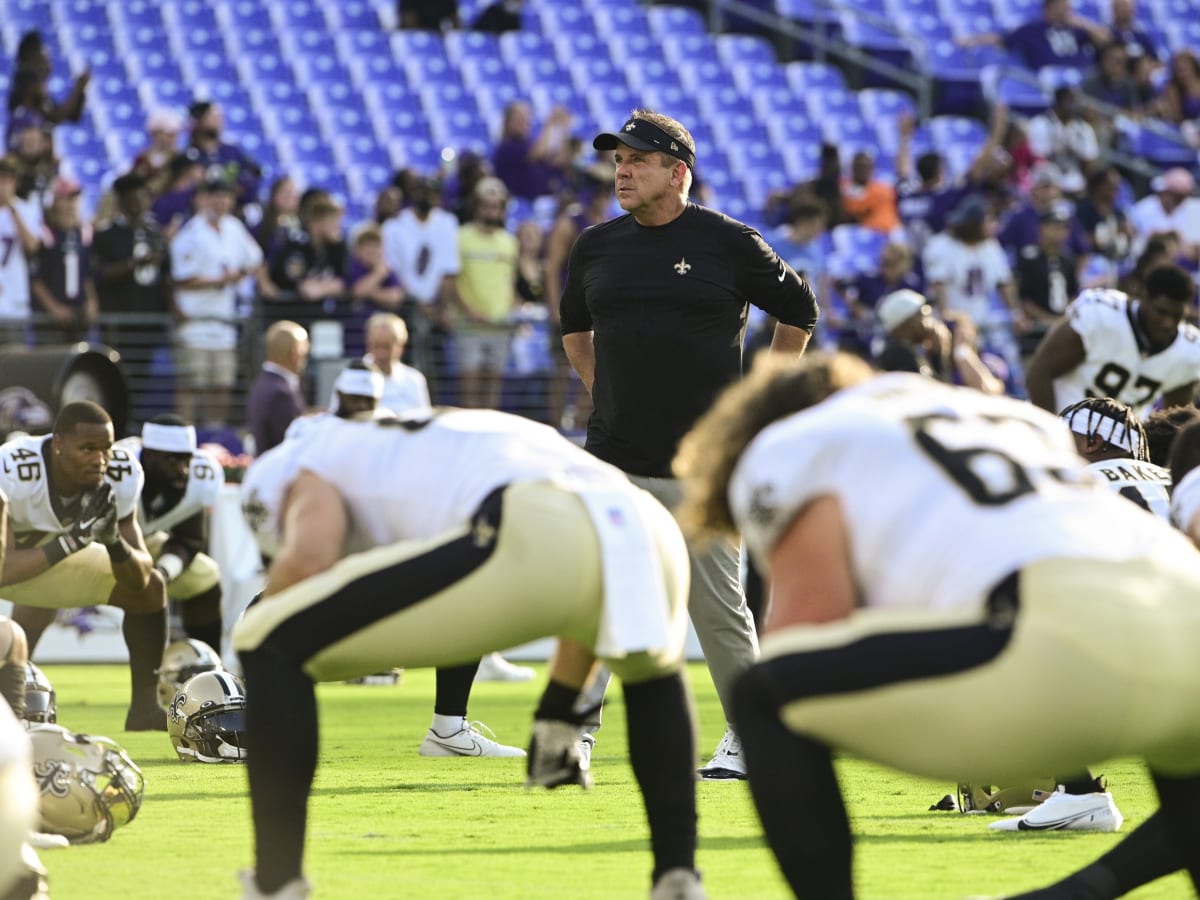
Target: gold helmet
[
  {"x": 992, "y": 799},
  {"x": 181, "y": 660},
  {"x": 89, "y": 787},
  {"x": 207, "y": 718}
]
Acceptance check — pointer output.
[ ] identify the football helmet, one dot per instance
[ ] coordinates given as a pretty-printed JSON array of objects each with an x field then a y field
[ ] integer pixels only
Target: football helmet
[
  {"x": 41, "y": 703},
  {"x": 993, "y": 799},
  {"x": 181, "y": 660},
  {"x": 88, "y": 786},
  {"x": 207, "y": 718}
]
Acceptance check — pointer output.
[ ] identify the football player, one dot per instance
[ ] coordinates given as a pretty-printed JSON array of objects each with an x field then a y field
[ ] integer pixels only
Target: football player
[
  {"x": 1185, "y": 476},
  {"x": 21, "y": 873},
  {"x": 1110, "y": 437},
  {"x": 465, "y": 516},
  {"x": 1028, "y": 585},
  {"x": 182, "y": 484},
  {"x": 356, "y": 394},
  {"x": 1112, "y": 345},
  {"x": 1161, "y": 427},
  {"x": 74, "y": 540}
]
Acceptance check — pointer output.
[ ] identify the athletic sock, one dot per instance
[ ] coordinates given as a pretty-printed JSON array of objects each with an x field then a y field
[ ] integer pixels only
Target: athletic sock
[
  {"x": 445, "y": 726},
  {"x": 145, "y": 637},
  {"x": 282, "y": 736},
  {"x": 454, "y": 689},
  {"x": 662, "y": 752},
  {"x": 202, "y": 618},
  {"x": 1082, "y": 783},
  {"x": 787, "y": 773},
  {"x": 1180, "y": 797},
  {"x": 558, "y": 702}
]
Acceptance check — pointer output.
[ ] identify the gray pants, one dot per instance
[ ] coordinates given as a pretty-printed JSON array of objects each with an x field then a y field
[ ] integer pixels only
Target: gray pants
[{"x": 716, "y": 603}]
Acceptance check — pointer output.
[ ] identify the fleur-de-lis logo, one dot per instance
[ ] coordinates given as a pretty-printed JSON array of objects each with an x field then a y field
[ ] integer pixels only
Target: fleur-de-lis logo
[
  {"x": 674, "y": 146},
  {"x": 683, "y": 266},
  {"x": 53, "y": 777},
  {"x": 483, "y": 533},
  {"x": 630, "y": 126}
]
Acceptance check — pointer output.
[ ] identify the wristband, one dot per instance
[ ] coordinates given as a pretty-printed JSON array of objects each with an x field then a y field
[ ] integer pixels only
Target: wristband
[
  {"x": 170, "y": 565},
  {"x": 60, "y": 548},
  {"x": 118, "y": 552}
]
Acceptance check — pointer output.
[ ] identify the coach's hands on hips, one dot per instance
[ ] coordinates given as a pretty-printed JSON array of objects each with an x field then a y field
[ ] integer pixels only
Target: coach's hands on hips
[{"x": 554, "y": 757}]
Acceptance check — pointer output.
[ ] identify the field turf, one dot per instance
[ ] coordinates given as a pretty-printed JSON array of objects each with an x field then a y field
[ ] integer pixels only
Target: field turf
[{"x": 386, "y": 823}]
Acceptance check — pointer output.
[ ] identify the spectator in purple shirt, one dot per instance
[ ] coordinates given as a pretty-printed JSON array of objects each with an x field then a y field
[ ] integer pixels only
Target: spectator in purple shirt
[
  {"x": 174, "y": 206},
  {"x": 373, "y": 286},
  {"x": 531, "y": 167},
  {"x": 1125, "y": 31},
  {"x": 1058, "y": 37},
  {"x": 206, "y": 147},
  {"x": 1023, "y": 226}
]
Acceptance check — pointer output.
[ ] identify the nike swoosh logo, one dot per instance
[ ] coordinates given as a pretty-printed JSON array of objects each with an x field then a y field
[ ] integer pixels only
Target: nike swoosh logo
[
  {"x": 782, "y": 272},
  {"x": 1022, "y": 825},
  {"x": 85, "y": 524}
]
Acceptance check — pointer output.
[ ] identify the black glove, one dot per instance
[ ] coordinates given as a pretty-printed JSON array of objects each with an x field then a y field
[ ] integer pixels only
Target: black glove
[
  {"x": 104, "y": 508},
  {"x": 93, "y": 507},
  {"x": 554, "y": 757}
]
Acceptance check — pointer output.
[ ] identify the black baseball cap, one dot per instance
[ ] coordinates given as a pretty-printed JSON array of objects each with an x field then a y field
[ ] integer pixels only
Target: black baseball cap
[{"x": 641, "y": 134}]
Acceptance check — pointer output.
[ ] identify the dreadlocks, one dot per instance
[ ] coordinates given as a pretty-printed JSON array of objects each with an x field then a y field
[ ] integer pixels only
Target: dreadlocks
[{"x": 1111, "y": 421}]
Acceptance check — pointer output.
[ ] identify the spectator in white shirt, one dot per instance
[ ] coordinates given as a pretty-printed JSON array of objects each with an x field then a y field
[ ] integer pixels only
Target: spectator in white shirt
[
  {"x": 20, "y": 222},
  {"x": 1063, "y": 136},
  {"x": 1170, "y": 208},
  {"x": 211, "y": 253},
  {"x": 404, "y": 387},
  {"x": 421, "y": 247}
]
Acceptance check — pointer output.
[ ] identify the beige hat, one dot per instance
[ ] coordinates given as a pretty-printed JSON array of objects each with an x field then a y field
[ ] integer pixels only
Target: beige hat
[{"x": 898, "y": 307}]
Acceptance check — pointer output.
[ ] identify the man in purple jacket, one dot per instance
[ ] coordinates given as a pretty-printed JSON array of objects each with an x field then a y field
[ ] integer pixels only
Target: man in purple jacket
[{"x": 276, "y": 397}]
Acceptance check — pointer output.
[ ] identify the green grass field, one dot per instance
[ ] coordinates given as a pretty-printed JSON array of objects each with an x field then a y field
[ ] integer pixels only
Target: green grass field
[{"x": 386, "y": 823}]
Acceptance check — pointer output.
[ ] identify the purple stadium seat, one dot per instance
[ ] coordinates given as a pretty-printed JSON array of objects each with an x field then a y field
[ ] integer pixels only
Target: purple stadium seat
[
  {"x": 616, "y": 20},
  {"x": 636, "y": 49},
  {"x": 720, "y": 101},
  {"x": 402, "y": 124},
  {"x": 668, "y": 20},
  {"x": 807, "y": 11},
  {"x": 778, "y": 102},
  {"x": 589, "y": 73},
  {"x": 754, "y": 77},
  {"x": 518, "y": 45},
  {"x": 735, "y": 48},
  {"x": 466, "y": 45},
  {"x": 792, "y": 129},
  {"x": 560, "y": 18},
  {"x": 681, "y": 49},
  {"x": 652, "y": 73},
  {"x": 672, "y": 100},
  {"x": 136, "y": 13},
  {"x": 572, "y": 45},
  {"x": 805, "y": 76},
  {"x": 1164, "y": 147},
  {"x": 702, "y": 76},
  {"x": 845, "y": 128},
  {"x": 298, "y": 15},
  {"x": 1016, "y": 87},
  {"x": 415, "y": 153}
]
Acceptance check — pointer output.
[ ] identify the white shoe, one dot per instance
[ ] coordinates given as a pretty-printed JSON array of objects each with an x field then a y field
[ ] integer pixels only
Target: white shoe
[
  {"x": 727, "y": 763},
  {"x": 1067, "y": 812},
  {"x": 468, "y": 741},
  {"x": 678, "y": 884},
  {"x": 495, "y": 667},
  {"x": 296, "y": 889}
]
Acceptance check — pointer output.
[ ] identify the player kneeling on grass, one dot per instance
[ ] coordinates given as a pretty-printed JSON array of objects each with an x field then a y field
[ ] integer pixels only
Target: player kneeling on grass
[
  {"x": 74, "y": 540},
  {"x": 465, "y": 516},
  {"x": 936, "y": 554}
]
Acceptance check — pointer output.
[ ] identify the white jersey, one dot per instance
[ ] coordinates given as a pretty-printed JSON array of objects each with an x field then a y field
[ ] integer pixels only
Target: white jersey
[
  {"x": 14, "y": 740},
  {"x": 917, "y": 467},
  {"x": 422, "y": 253},
  {"x": 201, "y": 251},
  {"x": 24, "y": 467},
  {"x": 205, "y": 480},
  {"x": 420, "y": 475},
  {"x": 264, "y": 487},
  {"x": 14, "y": 266},
  {"x": 1147, "y": 485},
  {"x": 1114, "y": 364},
  {"x": 1185, "y": 500},
  {"x": 971, "y": 273}
]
